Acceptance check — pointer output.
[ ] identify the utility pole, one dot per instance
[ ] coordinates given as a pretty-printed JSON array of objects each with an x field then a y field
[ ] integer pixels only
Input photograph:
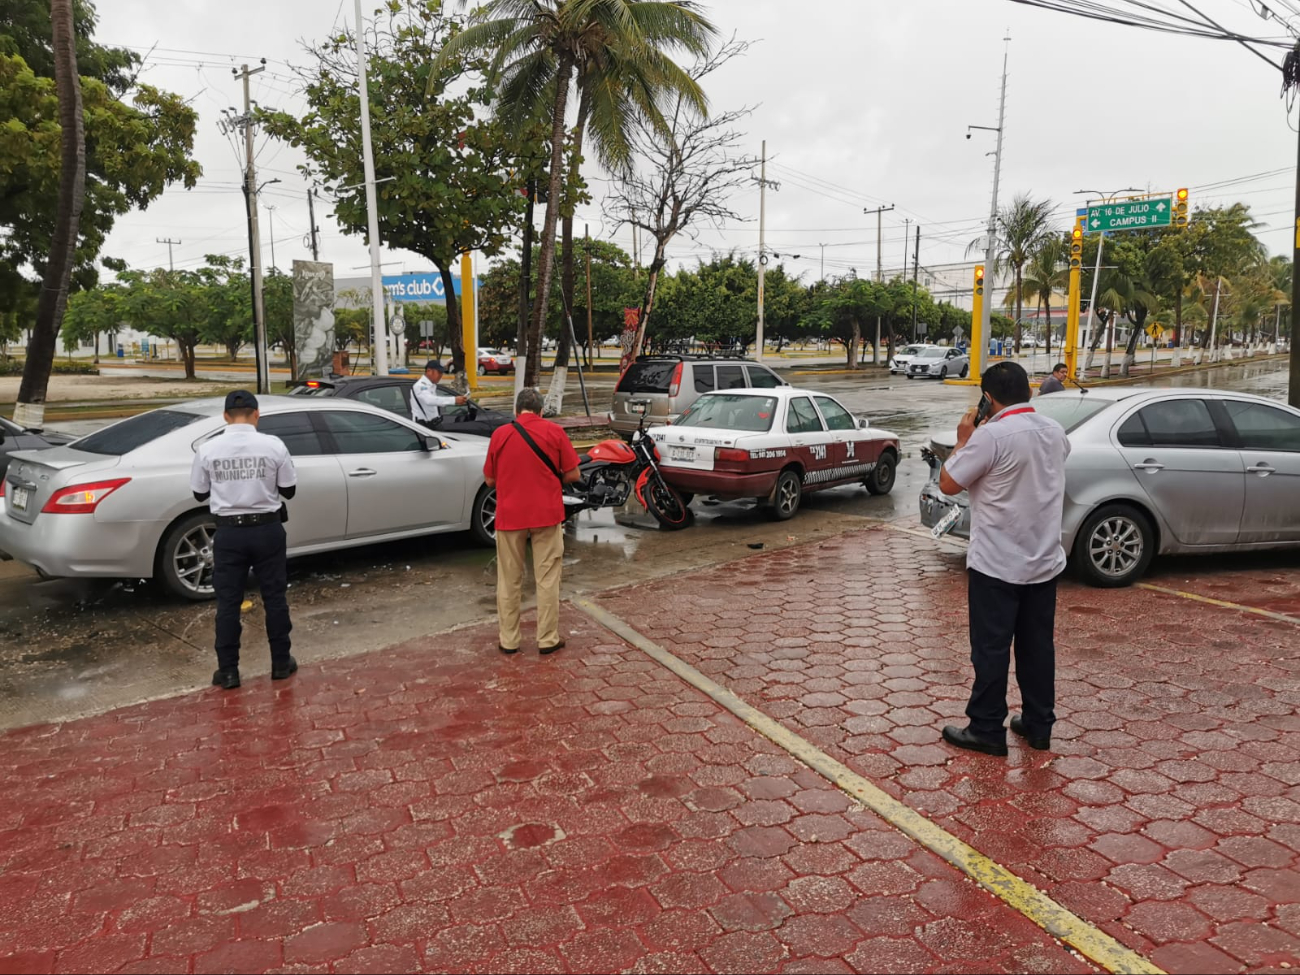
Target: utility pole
[
  {"x": 270, "y": 209},
  {"x": 171, "y": 265},
  {"x": 916, "y": 262},
  {"x": 980, "y": 340},
  {"x": 880, "y": 274},
  {"x": 379, "y": 343},
  {"x": 254, "y": 236},
  {"x": 1293, "y": 387},
  {"x": 763, "y": 183},
  {"x": 822, "y": 276},
  {"x": 312, "y": 230},
  {"x": 586, "y": 235}
]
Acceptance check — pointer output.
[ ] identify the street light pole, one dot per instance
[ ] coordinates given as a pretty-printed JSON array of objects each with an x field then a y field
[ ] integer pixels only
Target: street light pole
[
  {"x": 379, "y": 335},
  {"x": 880, "y": 275},
  {"x": 980, "y": 341}
]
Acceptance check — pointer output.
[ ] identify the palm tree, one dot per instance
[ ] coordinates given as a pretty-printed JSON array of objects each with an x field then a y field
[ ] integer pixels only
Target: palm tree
[
  {"x": 30, "y": 411},
  {"x": 1045, "y": 275},
  {"x": 616, "y": 49},
  {"x": 1021, "y": 229}
]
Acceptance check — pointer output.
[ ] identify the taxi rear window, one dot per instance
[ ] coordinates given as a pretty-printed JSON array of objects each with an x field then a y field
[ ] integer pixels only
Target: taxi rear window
[{"x": 731, "y": 411}]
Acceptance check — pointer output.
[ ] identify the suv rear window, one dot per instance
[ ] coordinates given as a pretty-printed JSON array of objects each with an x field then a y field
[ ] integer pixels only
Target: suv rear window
[
  {"x": 648, "y": 377},
  {"x": 124, "y": 437}
]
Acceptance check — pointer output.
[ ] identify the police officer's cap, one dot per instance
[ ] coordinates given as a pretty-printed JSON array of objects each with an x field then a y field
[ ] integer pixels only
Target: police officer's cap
[
  {"x": 433, "y": 364},
  {"x": 240, "y": 399}
]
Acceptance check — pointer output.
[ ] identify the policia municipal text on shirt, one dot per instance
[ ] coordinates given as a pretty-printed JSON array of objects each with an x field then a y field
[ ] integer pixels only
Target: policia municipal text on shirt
[{"x": 243, "y": 475}]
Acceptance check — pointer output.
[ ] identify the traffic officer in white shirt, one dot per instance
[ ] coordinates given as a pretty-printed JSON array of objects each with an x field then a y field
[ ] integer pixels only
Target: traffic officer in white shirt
[
  {"x": 426, "y": 401},
  {"x": 244, "y": 474},
  {"x": 1013, "y": 467}
]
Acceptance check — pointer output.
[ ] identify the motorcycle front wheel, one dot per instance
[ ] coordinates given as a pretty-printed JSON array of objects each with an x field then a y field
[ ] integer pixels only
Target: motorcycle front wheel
[{"x": 667, "y": 506}]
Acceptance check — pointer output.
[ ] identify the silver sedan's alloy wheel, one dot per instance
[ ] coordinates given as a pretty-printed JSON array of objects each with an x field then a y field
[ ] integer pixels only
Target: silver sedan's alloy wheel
[
  {"x": 1116, "y": 546},
  {"x": 192, "y": 559}
]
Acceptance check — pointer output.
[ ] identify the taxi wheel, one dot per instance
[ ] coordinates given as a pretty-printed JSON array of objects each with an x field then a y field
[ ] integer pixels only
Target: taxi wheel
[
  {"x": 881, "y": 479},
  {"x": 788, "y": 494}
]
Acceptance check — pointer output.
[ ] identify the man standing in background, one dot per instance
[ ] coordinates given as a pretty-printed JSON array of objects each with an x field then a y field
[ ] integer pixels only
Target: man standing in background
[{"x": 528, "y": 462}]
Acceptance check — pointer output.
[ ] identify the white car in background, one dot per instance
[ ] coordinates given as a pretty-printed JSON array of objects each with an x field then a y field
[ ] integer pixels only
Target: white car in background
[{"x": 905, "y": 355}]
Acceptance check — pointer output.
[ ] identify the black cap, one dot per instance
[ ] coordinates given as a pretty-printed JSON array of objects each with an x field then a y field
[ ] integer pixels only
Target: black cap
[
  {"x": 240, "y": 399},
  {"x": 433, "y": 364}
]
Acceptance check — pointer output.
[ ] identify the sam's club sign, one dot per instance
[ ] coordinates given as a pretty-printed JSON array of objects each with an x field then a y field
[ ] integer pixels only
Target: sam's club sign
[{"x": 419, "y": 287}]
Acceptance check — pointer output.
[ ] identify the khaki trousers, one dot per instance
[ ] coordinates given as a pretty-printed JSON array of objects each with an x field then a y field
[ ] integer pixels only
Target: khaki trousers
[{"x": 548, "y": 559}]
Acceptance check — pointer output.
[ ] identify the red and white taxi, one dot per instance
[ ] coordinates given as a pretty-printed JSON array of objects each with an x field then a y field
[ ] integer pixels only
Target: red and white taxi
[
  {"x": 495, "y": 361},
  {"x": 773, "y": 445}
]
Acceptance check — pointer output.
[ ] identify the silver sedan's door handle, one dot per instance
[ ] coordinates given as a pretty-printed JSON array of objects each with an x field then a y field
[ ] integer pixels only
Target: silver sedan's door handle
[
  {"x": 1262, "y": 469},
  {"x": 362, "y": 472},
  {"x": 1149, "y": 465}
]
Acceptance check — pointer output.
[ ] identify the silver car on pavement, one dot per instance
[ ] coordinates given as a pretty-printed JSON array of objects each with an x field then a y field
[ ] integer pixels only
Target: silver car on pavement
[
  {"x": 117, "y": 503},
  {"x": 1160, "y": 471},
  {"x": 938, "y": 362}
]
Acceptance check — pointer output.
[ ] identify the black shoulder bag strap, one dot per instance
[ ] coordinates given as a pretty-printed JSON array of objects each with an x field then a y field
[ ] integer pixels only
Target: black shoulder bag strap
[{"x": 550, "y": 465}]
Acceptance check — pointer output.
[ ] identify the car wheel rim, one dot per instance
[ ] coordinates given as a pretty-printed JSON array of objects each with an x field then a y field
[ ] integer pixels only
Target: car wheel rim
[
  {"x": 488, "y": 513},
  {"x": 1116, "y": 546},
  {"x": 193, "y": 559},
  {"x": 789, "y": 496}
]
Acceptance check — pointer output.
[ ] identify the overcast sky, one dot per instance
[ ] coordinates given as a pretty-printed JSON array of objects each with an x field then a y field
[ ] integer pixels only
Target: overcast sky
[{"x": 862, "y": 102}]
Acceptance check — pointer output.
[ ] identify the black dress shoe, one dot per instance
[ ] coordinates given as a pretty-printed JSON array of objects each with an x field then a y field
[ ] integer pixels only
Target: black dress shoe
[
  {"x": 963, "y": 738},
  {"x": 287, "y": 669},
  {"x": 545, "y": 650},
  {"x": 1040, "y": 742},
  {"x": 227, "y": 678},
  {"x": 504, "y": 649}
]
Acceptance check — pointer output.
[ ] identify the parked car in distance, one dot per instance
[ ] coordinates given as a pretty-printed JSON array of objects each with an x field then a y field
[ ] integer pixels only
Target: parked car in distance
[
  {"x": 938, "y": 362},
  {"x": 773, "y": 445},
  {"x": 666, "y": 385},
  {"x": 494, "y": 361},
  {"x": 13, "y": 437},
  {"x": 117, "y": 503},
  {"x": 903, "y": 357},
  {"x": 393, "y": 393},
  {"x": 1160, "y": 471}
]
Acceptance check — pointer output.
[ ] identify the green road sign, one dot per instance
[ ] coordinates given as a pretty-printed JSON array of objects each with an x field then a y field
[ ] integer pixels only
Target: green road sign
[{"x": 1131, "y": 215}]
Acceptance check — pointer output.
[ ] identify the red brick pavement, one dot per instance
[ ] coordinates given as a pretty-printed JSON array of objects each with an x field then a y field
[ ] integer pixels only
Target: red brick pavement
[
  {"x": 440, "y": 807},
  {"x": 1169, "y": 811}
]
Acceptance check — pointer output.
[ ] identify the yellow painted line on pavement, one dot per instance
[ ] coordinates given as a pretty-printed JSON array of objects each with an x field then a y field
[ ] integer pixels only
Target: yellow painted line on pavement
[
  {"x": 1221, "y": 603},
  {"x": 1091, "y": 942}
]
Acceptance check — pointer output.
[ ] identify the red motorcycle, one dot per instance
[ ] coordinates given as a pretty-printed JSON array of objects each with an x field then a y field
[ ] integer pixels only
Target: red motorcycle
[{"x": 614, "y": 470}]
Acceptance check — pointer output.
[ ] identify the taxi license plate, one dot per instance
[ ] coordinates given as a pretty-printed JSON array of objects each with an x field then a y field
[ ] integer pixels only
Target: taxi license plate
[
  {"x": 681, "y": 453},
  {"x": 21, "y": 496}
]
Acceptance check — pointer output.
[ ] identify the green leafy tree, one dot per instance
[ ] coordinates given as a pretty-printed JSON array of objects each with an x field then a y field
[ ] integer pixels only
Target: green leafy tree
[
  {"x": 1046, "y": 274},
  {"x": 538, "y": 47},
  {"x": 131, "y": 151},
  {"x": 91, "y": 314},
  {"x": 449, "y": 173},
  {"x": 1022, "y": 227}
]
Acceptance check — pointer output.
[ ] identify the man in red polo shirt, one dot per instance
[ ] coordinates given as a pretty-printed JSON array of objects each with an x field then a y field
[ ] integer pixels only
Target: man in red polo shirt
[{"x": 527, "y": 462}]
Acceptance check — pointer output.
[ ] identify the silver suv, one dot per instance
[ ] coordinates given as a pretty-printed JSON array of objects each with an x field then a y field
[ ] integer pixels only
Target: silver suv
[{"x": 667, "y": 384}]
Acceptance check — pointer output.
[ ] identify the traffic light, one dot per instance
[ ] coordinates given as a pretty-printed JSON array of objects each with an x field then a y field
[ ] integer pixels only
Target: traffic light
[
  {"x": 979, "y": 279},
  {"x": 1180, "y": 208},
  {"x": 1076, "y": 247}
]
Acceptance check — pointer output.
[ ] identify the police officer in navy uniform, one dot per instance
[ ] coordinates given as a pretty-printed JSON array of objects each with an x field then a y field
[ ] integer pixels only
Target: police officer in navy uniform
[{"x": 244, "y": 474}]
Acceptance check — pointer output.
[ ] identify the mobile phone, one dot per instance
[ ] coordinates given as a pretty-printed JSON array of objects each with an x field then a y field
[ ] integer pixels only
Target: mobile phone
[{"x": 985, "y": 408}]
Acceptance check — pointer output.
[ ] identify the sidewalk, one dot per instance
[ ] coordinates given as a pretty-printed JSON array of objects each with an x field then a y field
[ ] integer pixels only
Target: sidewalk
[{"x": 440, "y": 807}]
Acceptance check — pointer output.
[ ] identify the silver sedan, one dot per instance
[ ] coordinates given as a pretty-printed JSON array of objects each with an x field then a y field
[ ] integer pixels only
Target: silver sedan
[
  {"x": 117, "y": 503},
  {"x": 1160, "y": 472},
  {"x": 938, "y": 362}
]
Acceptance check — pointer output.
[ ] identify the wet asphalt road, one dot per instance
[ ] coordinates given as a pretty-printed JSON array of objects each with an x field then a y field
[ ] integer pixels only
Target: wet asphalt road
[{"x": 70, "y": 648}]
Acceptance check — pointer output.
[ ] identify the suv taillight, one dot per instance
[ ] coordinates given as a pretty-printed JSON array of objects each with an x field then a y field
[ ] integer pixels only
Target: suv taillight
[
  {"x": 81, "y": 499},
  {"x": 675, "y": 384}
]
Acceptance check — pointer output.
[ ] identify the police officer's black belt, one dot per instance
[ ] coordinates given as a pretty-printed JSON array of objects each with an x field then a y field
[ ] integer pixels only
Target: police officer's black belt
[{"x": 246, "y": 521}]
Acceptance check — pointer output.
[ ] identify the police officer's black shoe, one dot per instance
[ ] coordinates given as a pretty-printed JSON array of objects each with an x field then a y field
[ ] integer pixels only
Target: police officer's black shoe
[
  {"x": 286, "y": 669},
  {"x": 1040, "y": 742},
  {"x": 227, "y": 678},
  {"x": 965, "y": 738}
]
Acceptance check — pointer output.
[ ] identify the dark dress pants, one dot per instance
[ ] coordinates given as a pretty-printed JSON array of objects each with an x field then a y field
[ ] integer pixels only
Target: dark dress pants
[
  {"x": 1003, "y": 613},
  {"x": 235, "y": 551}
]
